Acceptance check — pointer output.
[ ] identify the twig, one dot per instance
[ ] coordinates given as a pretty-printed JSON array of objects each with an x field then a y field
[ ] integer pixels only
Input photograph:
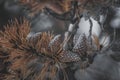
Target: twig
[{"x": 90, "y": 31}]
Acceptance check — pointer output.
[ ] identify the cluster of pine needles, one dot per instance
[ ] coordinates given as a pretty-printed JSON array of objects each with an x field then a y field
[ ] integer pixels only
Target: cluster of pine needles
[
  {"x": 32, "y": 58},
  {"x": 35, "y": 6}
]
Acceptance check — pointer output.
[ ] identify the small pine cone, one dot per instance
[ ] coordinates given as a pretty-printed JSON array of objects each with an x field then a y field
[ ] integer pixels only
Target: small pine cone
[
  {"x": 55, "y": 43},
  {"x": 81, "y": 45},
  {"x": 68, "y": 56}
]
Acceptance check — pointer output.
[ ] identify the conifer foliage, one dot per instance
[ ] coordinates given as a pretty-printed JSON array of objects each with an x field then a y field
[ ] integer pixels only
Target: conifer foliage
[{"x": 43, "y": 57}]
